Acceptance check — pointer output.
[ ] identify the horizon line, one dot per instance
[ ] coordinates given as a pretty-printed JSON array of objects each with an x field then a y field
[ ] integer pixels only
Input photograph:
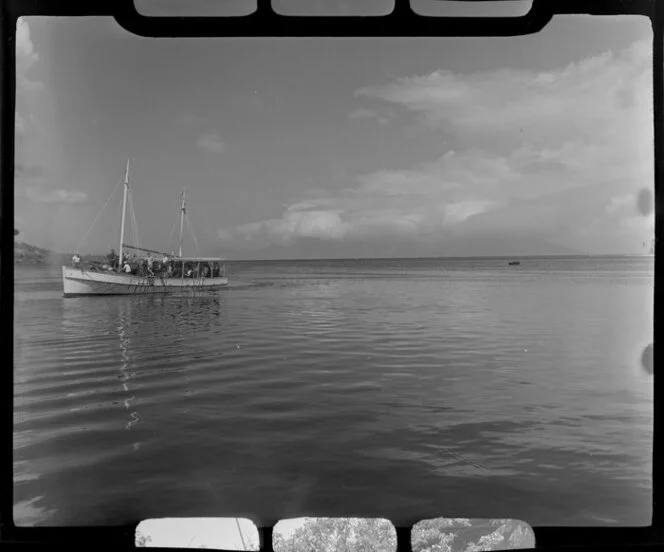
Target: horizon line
[{"x": 449, "y": 258}]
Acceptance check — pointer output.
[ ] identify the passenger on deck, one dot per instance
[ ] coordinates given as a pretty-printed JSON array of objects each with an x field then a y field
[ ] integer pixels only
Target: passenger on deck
[
  {"x": 206, "y": 271},
  {"x": 76, "y": 260},
  {"x": 127, "y": 268},
  {"x": 112, "y": 259}
]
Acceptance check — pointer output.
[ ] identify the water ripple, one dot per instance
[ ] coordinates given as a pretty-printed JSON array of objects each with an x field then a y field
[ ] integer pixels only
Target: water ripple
[{"x": 390, "y": 383}]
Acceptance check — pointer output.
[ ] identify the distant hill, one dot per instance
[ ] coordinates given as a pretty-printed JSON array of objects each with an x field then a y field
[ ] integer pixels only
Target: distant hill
[{"x": 26, "y": 254}]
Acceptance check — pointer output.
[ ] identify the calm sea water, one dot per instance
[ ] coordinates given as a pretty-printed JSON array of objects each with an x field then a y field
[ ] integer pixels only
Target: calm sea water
[{"x": 403, "y": 388}]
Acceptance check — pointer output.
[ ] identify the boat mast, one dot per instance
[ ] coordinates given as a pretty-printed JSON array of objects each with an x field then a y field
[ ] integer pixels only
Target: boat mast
[
  {"x": 182, "y": 213},
  {"x": 124, "y": 209}
]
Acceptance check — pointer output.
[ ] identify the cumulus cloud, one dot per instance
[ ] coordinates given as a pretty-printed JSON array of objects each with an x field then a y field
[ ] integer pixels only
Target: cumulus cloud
[
  {"x": 26, "y": 55},
  {"x": 298, "y": 224},
  {"x": 38, "y": 194},
  {"x": 542, "y": 107},
  {"x": 364, "y": 113},
  {"x": 211, "y": 142},
  {"x": 559, "y": 154},
  {"x": 424, "y": 200}
]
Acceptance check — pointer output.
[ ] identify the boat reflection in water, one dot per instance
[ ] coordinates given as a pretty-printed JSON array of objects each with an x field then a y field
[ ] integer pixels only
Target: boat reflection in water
[{"x": 124, "y": 321}]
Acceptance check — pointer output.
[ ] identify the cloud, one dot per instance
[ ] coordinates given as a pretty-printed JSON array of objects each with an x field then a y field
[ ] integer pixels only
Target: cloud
[
  {"x": 424, "y": 202},
  {"x": 364, "y": 113},
  {"x": 560, "y": 154},
  {"x": 38, "y": 194},
  {"x": 24, "y": 47},
  {"x": 211, "y": 142},
  {"x": 26, "y": 56},
  {"x": 578, "y": 101},
  {"x": 326, "y": 225}
]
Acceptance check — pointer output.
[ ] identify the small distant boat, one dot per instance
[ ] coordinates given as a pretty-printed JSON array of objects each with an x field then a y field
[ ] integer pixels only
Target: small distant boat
[
  {"x": 514, "y": 263},
  {"x": 176, "y": 275}
]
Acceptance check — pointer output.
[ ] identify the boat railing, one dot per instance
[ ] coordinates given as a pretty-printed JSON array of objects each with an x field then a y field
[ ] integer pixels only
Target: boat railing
[
  {"x": 199, "y": 268},
  {"x": 169, "y": 267}
]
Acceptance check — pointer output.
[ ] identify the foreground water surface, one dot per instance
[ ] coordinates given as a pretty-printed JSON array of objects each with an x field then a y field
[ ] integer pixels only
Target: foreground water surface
[{"x": 402, "y": 388}]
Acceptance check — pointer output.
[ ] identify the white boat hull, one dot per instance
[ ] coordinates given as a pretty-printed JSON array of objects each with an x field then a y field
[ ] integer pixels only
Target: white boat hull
[{"x": 79, "y": 281}]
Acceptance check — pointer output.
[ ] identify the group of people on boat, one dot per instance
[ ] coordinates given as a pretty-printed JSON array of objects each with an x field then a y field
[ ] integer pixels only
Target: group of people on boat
[{"x": 164, "y": 267}]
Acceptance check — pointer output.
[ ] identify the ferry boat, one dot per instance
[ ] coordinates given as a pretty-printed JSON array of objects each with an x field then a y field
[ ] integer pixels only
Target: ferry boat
[{"x": 169, "y": 274}]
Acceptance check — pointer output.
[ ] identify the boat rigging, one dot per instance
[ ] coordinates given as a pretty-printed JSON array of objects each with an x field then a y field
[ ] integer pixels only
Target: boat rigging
[{"x": 132, "y": 274}]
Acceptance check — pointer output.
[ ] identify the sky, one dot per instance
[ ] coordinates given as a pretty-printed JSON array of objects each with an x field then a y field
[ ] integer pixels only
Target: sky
[{"x": 336, "y": 147}]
